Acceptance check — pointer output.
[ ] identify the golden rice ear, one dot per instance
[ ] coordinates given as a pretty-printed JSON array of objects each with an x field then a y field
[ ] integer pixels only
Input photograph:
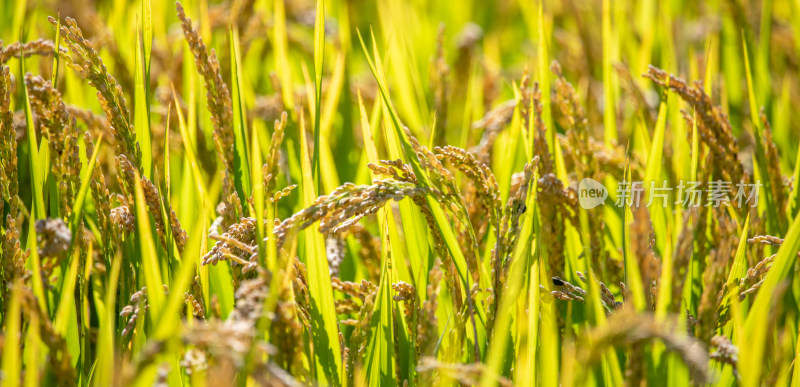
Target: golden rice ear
[
  {"x": 220, "y": 105},
  {"x": 482, "y": 196},
  {"x": 88, "y": 63},
  {"x": 570, "y": 115},
  {"x": 38, "y": 47},
  {"x": 346, "y": 205},
  {"x": 85, "y": 60},
  {"x": 218, "y": 96},
  {"x": 60, "y": 129},
  {"x": 777, "y": 185},
  {"x": 713, "y": 125},
  {"x": 153, "y": 200},
  {"x": 101, "y": 197},
  {"x": 12, "y": 257},
  {"x": 8, "y": 139},
  {"x": 269, "y": 170},
  {"x": 714, "y": 277},
  {"x": 633, "y": 330}
]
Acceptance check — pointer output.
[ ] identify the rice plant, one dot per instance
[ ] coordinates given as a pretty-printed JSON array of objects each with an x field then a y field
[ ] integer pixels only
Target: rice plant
[{"x": 349, "y": 193}]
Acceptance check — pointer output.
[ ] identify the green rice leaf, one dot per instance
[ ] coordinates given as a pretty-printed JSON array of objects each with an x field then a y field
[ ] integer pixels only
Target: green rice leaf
[
  {"x": 189, "y": 151},
  {"x": 282, "y": 64},
  {"x": 147, "y": 35},
  {"x": 544, "y": 79},
  {"x": 169, "y": 323},
  {"x": 414, "y": 225},
  {"x": 794, "y": 196},
  {"x": 142, "y": 108},
  {"x": 54, "y": 74},
  {"x": 524, "y": 253},
  {"x": 149, "y": 259},
  {"x": 80, "y": 200},
  {"x": 609, "y": 112},
  {"x": 325, "y": 332},
  {"x": 775, "y": 219},
  {"x": 12, "y": 369},
  {"x": 241, "y": 167},
  {"x": 657, "y": 210},
  {"x": 402, "y": 142},
  {"x": 66, "y": 323},
  {"x": 33, "y": 346},
  {"x": 319, "y": 58},
  {"x": 38, "y": 170},
  {"x": 756, "y": 325},
  {"x": 380, "y": 365},
  {"x": 105, "y": 342}
]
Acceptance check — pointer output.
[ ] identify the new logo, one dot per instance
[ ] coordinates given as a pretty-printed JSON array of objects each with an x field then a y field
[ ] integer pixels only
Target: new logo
[{"x": 591, "y": 193}]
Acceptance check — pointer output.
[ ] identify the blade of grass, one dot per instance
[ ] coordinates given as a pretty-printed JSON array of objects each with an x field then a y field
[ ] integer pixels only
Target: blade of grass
[
  {"x": 147, "y": 38},
  {"x": 149, "y": 258},
  {"x": 402, "y": 142},
  {"x": 527, "y": 374},
  {"x": 16, "y": 32},
  {"x": 33, "y": 345},
  {"x": 775, "y": 219},
  {"x": 633, "y": 278},
  {"x": 38, "y": 171},
  {"x": 142, "y": 108},
  {"x": 763, "y": 52},
  {"x": 695, "y": 274},
  {"x": 167, "y": 169},
  {"x": 544, "y": 79},
  {"x": 319, "y": 58},
  {"x": 282, "y": 64},
  {"x": 549, "y": 336},
  {"x": 105, "y": 343},
  {"x": 258, "y": 196},
  {"x": 85, "y": 311},
  {"x": 11, "y": 366},
  {"x": 756, "y": 325},
  {"x": 54, "y": 74},
  {"x": 739, "y": 267},
  {"x": 241, "y": 168},
  {"x": 652, "y": 173},
  {"x": 414, "y": 226},
  {"x": 189, "y": 152},
  {"x": 796, "y": 370},
  {"x": 380, "y": 354},
  {"x": 416, "y": 243},
  {"x": 66, "y": 323},
  {"x": 169, "y": 322},
  {"x": 730, "y": 301},
  {"x": 524, "y": 251},
  {"x": 324, "y": 332},
  {"x": 329, "y": 175},
  {"x": 794, "y": 197},
  {"x": 609, "y": 102},
  {"x": 80, "y": 200}
]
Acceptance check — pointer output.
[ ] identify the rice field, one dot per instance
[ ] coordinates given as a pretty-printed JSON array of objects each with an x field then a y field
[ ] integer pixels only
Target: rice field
[{"x": 391, "y": 192}]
